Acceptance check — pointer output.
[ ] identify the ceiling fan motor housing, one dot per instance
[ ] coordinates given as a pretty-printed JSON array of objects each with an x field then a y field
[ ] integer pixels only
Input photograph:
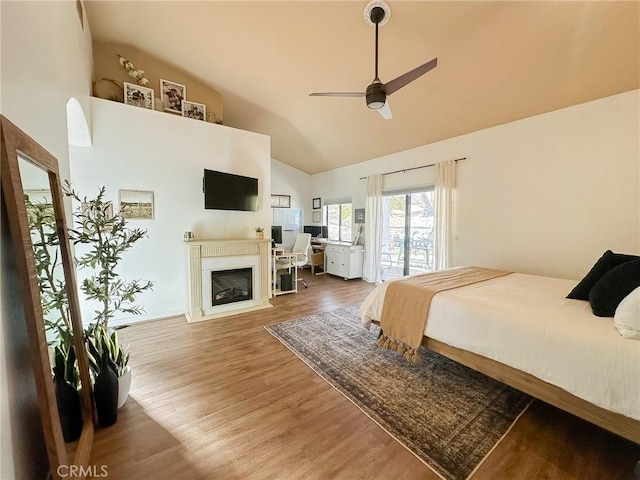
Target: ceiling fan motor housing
[
  {"x": 376, "y": 96},
  {"x": 377, "y": 15}
]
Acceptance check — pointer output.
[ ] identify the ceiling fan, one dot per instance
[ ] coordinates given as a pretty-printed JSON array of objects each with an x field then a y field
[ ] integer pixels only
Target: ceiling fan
[{"x": 377, "y": 13}]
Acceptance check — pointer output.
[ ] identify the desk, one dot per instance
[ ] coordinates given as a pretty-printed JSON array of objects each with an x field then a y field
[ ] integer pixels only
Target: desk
[
  {"x": 290, "y": 260},
  {"x": 344, "y": 260}
]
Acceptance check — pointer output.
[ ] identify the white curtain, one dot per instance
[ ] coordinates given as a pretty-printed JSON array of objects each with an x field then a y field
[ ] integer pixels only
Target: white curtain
[
  {"x": 373, "y": 229},
  {"x": 444, "y": 196}
]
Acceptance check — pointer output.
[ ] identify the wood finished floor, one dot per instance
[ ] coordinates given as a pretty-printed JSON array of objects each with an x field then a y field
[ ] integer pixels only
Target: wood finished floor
[{"x": 223, "y": 399}]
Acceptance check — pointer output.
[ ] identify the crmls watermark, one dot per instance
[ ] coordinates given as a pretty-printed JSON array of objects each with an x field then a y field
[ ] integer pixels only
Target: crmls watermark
[{"x": 95, "y": 471}]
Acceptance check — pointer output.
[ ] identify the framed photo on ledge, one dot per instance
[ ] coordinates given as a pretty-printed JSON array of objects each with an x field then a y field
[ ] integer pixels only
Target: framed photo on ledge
[
  {"x": 194, "y": 110},
  {"x": 317, "y": 203},
  {"x": 172, "y": 94},
  {"x": 138, "y": 96}
]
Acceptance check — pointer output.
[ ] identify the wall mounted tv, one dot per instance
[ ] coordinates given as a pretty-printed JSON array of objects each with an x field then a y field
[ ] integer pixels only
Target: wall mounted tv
[{"x": 226, "y": 191}]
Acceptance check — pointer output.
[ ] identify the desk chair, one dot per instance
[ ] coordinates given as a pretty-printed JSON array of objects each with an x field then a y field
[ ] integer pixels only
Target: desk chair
[{"x": 301, "y": 249}]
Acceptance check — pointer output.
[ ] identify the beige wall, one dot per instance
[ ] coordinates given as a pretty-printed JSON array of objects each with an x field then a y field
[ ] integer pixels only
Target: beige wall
[{"x": 106, "y": 65}]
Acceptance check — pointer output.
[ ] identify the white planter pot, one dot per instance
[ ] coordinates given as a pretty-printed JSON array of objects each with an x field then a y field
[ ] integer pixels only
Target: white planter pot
[{"x": 124, "y": 384}]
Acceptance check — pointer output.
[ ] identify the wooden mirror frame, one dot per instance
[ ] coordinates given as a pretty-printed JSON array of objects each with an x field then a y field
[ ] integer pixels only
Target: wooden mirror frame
[{"x": 16, "y": 143}]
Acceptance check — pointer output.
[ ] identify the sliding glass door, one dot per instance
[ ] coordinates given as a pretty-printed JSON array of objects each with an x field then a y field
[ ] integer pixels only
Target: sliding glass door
[{"x": 407, "y": 233}]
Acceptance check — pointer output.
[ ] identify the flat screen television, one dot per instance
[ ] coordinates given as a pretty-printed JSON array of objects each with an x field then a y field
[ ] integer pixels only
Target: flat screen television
[
  {"x": 316, "y": 230},
  {"x": 226, "y": 191},
  {"x": 276, "y": 234}
]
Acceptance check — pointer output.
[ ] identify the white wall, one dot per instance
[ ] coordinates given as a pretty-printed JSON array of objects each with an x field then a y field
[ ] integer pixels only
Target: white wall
[
  {"x": 46, "y": 59},
  {"x": 544, "y": 195},
  {"x": 139, "y": 149},
  {"x": 287, "y": 180}
]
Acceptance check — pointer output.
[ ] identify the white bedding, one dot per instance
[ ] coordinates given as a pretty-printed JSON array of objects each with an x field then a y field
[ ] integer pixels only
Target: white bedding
[{"x": 525, "y": 322}]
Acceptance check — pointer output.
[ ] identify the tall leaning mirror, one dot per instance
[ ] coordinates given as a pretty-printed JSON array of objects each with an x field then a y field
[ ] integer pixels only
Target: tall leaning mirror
[{"x": 32, "y": 196}]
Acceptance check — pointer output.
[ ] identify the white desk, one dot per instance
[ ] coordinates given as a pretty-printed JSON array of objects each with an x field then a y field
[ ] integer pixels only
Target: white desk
[{"x": 278, "y": 254}]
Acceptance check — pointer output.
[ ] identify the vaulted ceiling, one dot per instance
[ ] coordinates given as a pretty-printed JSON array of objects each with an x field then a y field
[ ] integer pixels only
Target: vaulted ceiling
[{"x": 497, "y": 62}]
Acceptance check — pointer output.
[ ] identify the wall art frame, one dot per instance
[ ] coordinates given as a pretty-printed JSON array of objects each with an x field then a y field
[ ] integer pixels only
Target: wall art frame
[
  {"x": 172, "y": 94},
  {"x": 136, "y": 204},
  {"x": 280, "y": 201},
  {"x": 138, "y": 96},
  {"x": 197, "y": 111}
]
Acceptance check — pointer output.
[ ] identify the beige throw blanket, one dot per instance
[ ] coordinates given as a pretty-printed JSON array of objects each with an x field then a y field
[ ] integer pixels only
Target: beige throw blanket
[{"x": 406, "y": 305}]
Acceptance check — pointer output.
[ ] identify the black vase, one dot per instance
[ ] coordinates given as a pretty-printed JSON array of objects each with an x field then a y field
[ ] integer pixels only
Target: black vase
[
  {"x": 105, "y": 392},
  {"x": 68, "y": 400}
]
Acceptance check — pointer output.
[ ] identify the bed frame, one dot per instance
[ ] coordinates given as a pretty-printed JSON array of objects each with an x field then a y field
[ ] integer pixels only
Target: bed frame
[{"x": 614, "y": 422}]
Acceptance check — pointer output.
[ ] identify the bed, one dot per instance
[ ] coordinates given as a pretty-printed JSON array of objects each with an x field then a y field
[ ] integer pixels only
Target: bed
[{"x": 521, "y": 330}]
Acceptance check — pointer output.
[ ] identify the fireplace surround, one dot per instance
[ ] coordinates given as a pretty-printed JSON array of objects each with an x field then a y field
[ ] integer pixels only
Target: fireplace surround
[{"x": 227, "y": 277}]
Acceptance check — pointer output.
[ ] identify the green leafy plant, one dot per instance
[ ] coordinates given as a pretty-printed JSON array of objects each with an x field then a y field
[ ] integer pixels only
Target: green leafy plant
[
  {"x": 105, "y": 347},
  {"x": 259, "y": 229},
  {"x": 65, "y": 367},
  {"x": 108, "y": 237},
  {"x": 52, "y": 286},
  {"x": 48, "y": 262}
]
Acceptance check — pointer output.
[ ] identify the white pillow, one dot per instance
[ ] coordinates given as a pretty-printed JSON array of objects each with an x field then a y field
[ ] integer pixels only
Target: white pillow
[{"x": 627, "y": 316}]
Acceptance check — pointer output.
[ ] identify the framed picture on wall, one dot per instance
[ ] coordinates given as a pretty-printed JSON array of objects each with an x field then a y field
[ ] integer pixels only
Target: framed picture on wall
[
  {"x": 136, "y": 204},
  {"x": 173, "y": 95},
  {"x": 197, "y": 111},
  {"x": 317, "y": 203},
  {"x": 317, "y": 217},
  {"x": 138, "y": 96},
  {"x": 359, "y": 214},
  {"x": 280, "y": 201}
]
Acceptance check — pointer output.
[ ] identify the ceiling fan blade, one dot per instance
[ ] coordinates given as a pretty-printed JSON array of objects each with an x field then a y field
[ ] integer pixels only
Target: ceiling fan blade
[
  {"x": 403, "y": 80},
  {"x": 385, "y": 111},
  {"x": 337, "y": 94}
]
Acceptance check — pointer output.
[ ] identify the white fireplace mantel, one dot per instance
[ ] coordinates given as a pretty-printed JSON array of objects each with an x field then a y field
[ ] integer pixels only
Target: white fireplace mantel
[{"x": 213, "y": 255}]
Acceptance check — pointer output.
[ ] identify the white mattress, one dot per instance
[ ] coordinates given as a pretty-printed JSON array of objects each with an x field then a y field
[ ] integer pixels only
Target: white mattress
[{"x": 525, "y": 322}]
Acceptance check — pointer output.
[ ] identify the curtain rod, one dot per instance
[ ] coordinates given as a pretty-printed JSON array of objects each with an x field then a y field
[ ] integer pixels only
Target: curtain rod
[{"x": 414, "y": 168}]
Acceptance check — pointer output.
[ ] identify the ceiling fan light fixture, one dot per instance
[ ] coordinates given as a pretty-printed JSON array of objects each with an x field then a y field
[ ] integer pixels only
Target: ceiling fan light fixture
[
  {"x": 376, "y": 97},
  {"x": 375, "y": 104}
]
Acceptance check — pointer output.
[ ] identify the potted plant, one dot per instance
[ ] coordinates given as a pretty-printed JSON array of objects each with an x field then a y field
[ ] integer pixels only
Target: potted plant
[
  {"x": 107, "y": 237},
  {"x": 259, "y": 232},
  {"x": 102, "y": 348},
  {"x": 101, "y": 342},
  {"x": 66, "y": 380}
]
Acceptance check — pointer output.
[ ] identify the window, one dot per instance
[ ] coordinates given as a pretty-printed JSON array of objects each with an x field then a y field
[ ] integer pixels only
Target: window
[{"x": 339, "y": 220}]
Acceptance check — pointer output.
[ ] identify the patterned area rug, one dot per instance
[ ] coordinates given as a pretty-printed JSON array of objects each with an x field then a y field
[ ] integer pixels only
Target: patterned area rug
[{"x": 448, "y": 415}]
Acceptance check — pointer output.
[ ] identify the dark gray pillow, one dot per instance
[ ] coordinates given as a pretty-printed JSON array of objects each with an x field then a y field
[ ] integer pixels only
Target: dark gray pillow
[
  {"x": 613, "y": 287},
  {"x": 605, "y": 263}
]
